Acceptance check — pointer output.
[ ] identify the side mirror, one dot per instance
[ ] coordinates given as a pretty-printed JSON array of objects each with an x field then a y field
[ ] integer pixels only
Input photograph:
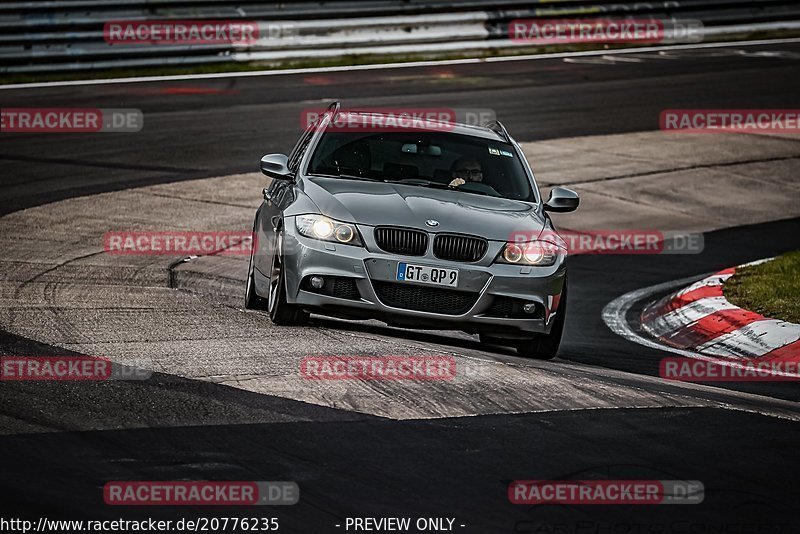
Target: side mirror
[
  {"x": 562, "y": 200},
  {"x": 275, "y": 166}
]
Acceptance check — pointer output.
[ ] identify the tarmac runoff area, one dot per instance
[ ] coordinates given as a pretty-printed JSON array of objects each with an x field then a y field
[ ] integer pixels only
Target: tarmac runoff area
[{"x": 60, "y": 287}]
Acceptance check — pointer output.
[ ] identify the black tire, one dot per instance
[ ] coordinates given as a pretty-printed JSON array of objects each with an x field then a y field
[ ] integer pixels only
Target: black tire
[
  {"x": 545, "y": 346},
  {"x": 281, "y": 312},
  {"x": 251, "y": 299}
]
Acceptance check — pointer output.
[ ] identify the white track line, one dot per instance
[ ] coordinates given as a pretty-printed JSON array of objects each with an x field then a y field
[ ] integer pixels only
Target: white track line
[
  {"x": 614, "y": 315},
  {"x": 380, "y": 66},
  {"x": 687, "y": 314},
  {"x": 755, "y": 339},
  {"x": 615, "y": 312}
]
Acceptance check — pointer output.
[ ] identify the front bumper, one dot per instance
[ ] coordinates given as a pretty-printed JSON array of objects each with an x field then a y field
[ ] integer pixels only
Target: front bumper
[{"x": 486, "y": 290}]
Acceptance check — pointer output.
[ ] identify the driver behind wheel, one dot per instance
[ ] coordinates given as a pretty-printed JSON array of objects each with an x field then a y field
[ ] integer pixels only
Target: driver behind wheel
[{"x": 466, "y": 169}]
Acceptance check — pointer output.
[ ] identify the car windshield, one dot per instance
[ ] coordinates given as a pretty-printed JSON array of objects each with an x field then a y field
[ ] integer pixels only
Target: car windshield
[{"x": 441, "y": 160}]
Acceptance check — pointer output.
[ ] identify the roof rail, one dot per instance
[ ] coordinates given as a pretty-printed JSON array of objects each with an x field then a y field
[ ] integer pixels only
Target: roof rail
[{"x": 498, "y": 128}]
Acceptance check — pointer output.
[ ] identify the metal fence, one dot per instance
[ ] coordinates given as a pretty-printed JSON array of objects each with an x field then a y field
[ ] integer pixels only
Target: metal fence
[{"x": 67, "y": 35}]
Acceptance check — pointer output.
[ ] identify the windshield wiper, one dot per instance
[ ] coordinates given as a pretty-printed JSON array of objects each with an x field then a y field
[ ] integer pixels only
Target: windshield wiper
[
  {"x": 422, "y": 183},
  {"x": 347, "y": 176},
  {"x": 438, "y": 185}
]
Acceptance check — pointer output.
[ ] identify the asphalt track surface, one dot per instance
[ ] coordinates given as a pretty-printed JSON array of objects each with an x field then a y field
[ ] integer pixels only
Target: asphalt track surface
[{"x": 352, "y": 464}]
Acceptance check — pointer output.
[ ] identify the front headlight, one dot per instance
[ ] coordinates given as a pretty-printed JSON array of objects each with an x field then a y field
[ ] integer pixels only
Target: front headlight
[
  {"x": 538, "y": 253},
  {"x": 326, "y": 229}
]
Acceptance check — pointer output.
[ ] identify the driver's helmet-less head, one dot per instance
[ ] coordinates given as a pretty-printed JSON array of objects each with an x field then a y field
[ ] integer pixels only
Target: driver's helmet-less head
[{"x": 468, "y": 168}]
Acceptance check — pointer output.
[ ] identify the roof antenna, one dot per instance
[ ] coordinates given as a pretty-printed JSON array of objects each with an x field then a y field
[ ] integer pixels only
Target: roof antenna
[
  {"x": 498, "y": 128},
  {"x": 334, "y": 109}
]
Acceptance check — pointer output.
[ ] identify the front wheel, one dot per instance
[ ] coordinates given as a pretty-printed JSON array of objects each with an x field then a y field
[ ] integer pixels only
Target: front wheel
[
  {"x": 545, "y": 346},
  {"x": 280, "y": 311}
]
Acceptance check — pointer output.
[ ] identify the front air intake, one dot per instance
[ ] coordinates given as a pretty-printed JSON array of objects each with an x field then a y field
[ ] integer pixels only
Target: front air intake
[
  {"x": 456, "y": 247},
  {"x": 405, "y": 241}
]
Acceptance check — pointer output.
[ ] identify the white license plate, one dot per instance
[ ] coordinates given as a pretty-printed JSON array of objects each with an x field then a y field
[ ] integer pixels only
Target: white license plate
[{"x": 408, "y": 272}]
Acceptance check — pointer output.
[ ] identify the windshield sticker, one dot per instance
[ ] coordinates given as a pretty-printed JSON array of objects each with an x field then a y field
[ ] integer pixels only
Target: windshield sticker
[{"x": 496, "y": 152}]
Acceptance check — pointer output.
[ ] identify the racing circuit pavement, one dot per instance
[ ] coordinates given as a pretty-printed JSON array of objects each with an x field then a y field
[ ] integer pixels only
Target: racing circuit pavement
[{"x": 226, "y": 402}]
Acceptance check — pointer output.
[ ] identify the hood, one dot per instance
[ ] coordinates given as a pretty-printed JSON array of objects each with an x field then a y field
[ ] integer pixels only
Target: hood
[{"x": 380, "y": 203}]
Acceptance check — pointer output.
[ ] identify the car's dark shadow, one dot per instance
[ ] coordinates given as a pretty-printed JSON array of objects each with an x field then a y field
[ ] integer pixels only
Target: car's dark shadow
[{"x": 423, "y": 336}]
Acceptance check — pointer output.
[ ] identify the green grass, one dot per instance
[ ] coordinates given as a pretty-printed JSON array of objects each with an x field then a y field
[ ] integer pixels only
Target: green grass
[
  {"x": 338, "y": 61},
  {"x": 771, "y": 289}
]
